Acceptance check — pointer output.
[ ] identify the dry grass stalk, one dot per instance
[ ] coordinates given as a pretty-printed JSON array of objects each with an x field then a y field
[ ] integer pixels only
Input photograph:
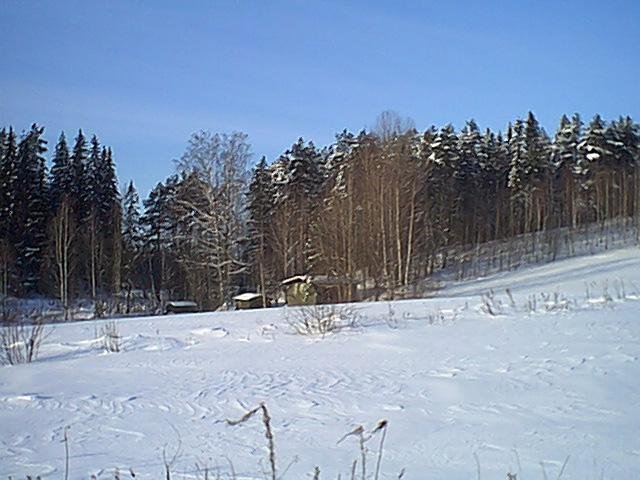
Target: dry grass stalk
[
  {"x": 66, "y": 452},
  {"x": 475, "y": 456},
  {"x": 353, "y": 469},
  {"x": 266, "y": 420},
  {"x": 363, "y": 438},
  {"x": 168, "y": 463},
  {"x": 382, "y": 426}
]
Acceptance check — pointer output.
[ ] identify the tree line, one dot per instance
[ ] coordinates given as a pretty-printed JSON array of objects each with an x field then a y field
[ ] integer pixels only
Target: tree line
[{"x": 375, "y": 208}]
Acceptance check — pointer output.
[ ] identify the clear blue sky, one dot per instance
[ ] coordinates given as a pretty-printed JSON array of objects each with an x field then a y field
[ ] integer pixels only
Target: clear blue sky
[{"x": 143, "y": 75}]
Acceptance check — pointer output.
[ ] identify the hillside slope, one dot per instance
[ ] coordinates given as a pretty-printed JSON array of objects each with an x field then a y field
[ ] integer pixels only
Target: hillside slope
[{"x": 549, "y": 373}]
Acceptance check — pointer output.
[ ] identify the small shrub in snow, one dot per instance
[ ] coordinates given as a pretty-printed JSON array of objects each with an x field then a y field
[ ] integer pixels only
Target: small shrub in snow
[
  {"x": 110, "y": 337},
  {"x": 555, "y": 302},
  {"x": 391, "y": 319},
  {"x": 321, "y": 319},
  {"x": 490, "y": 304},
  {"x": 20, "y": 343},
  {"x": 621, "y": 293},
  {"x": 441, "y": 317}
]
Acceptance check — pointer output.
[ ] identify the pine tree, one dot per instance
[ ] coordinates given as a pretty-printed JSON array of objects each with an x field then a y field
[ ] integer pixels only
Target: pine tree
[
  {"x": 494, "y": 164},
  {"x": 109, "y": 197},
  {"x": 592, "y": 170},
  {"x": 445, "y": 157},
  {"x": 160, "y": 235},
  {"x": 565, "y": 159},
  {"x": 31, "y": 210},
  {"x": 260, "y": 204},
  {"x": 132, "y": 235},
  {"x": 8, "y": 174},
  {"x": 5, "y": 182},
  {"x": 304, "y": 182},
  {"x": 593, "y": 148},
  {"x": 94, "y": 185},
  {"x": 79, "y": 182},
  {"x": 61, "y": 179},
  {"x": 467, "y": 179},
  {"x": 8, "y": 177},
  {"x": 623, "y": 138}
]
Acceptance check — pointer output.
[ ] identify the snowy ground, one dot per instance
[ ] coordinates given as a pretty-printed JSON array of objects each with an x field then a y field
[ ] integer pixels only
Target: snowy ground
[{"x": 517, "y": 390}]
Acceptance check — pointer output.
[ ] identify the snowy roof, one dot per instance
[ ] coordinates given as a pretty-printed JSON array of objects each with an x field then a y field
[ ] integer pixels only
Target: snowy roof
[
  {"x": 296, "y": 279},
  {"x": 247, "y": 297},
  {"x": 182, "y": 303}
]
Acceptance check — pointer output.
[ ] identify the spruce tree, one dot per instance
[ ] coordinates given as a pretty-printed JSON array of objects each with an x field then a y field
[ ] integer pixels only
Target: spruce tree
[
  {"x": 564, "y": 161},
  {"x": 30, "y": 209},
  {"x": 92, "y": 176},
  {"x": 444, "y": 157},
  {"x": 8, "y": 177},
  {"x": 260, "y": 204},
  {"x": 467, "y": 180},
  {"x": 593, "y": 148},
  {"x": 108, "y": 196},
  {"x": 132, "y": 235},
  {"x": 61, "y": 178},
  {"x": 79, "y": 182}
]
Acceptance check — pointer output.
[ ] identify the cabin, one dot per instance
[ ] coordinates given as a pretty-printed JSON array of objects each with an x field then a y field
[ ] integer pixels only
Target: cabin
[
  {"x": 181, "y": 306},
  {"x": 299, "y": 290},
  {"x": 248, "y": 300}
]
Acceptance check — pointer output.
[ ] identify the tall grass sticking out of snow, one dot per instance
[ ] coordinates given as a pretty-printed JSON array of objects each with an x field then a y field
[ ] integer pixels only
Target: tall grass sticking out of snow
[
  {"x": 362, "y": 437},
  {"x": 266, "y": 420}
]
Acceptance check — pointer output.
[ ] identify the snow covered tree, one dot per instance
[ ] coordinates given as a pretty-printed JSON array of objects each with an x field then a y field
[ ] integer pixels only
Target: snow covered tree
[
  {"x": 298, "y": 180},
  {"x": 592, "y": 170},
  {"x": 444, "y": 157},
  {"x": 494, "y": 164},
  {"x": 466, "y": 176},
  {"x": 565, "y": 159},
  {"x": 211, "y": 196}
]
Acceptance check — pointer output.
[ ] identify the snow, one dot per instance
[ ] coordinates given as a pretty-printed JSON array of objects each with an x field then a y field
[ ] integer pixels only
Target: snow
[{"x": 515, "y": 389}]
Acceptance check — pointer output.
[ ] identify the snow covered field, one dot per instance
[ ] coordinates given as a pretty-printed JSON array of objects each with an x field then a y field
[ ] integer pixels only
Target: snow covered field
[{"x": 516, "y": 389}]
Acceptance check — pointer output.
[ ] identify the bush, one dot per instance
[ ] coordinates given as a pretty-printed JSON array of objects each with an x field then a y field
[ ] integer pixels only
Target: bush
[
  {"x": 321, "y": 319},
  {"x": 20, "y": 343},
  {"x": 110, "y": 337}
]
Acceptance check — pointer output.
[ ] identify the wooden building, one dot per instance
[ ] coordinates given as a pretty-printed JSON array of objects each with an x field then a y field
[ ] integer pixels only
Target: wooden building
[
  {"x": 317, "y": 289},
  {"x": 248, "y": 300}
]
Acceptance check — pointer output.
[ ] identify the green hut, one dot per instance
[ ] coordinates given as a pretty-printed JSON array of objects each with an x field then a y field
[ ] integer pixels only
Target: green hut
[{"x": 299, "y": 290}]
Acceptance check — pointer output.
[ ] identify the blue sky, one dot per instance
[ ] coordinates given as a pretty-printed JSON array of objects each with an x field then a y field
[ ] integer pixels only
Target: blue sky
[{"x": 144, "y": 75}]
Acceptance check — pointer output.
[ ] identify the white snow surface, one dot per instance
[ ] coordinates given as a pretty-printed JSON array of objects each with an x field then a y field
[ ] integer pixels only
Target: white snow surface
[{"x": 517, "y": 390}]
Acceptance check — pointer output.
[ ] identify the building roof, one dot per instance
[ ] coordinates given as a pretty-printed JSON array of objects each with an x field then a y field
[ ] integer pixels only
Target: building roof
[
  {"x": 182, "y": 303},
  {"x": 296, "y": 279},
  {"x": 247, "y": 297}
]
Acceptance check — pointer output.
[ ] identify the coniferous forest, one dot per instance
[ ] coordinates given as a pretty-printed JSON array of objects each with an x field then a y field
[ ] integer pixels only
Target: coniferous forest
[{"x": 377, "y": 207}]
